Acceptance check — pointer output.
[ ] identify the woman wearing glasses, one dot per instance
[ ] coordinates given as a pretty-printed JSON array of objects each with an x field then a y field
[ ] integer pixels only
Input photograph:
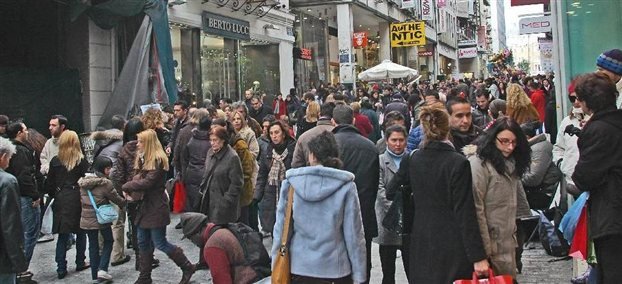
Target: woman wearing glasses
[{"x": 498, "y": 161}]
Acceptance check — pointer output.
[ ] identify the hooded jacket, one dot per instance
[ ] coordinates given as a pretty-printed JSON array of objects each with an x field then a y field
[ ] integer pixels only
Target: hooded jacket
[
  {"x": 332, "y": 243},
  {"x": 103, "y": 192},
  {"x": 108, "y": 143},
  {"x": 599, "y": 171}
]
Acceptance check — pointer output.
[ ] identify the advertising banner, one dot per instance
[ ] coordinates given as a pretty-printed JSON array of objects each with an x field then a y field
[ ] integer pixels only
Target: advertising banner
[
  {"x": 470, "y": 52},
  {"x": 359, "y": 40},
  {"x": 427, "y": 10},
  {"x": 408, "y": 4},
  {"x": 546, "y": 54},
  {"x": 407, "y": 34}
]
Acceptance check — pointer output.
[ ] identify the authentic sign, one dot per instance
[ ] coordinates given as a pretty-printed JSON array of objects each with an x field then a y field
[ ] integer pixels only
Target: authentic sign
[
  {"x": 407, "y": 34},
  {"x": 224, "y": 26}
]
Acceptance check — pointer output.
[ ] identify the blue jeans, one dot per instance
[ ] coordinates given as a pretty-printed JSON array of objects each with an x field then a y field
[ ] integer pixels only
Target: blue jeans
[
  {"x": 31, "y": 222},
  {"x": 61, "y": 250},
  {"x": 99, "y": 262},
  {"x": 148, "y": 238},
  {"x": 8, "y": 278}
]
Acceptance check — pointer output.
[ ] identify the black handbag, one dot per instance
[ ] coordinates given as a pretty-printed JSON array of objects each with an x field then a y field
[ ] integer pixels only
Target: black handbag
[{"x": 399, "y": 217}]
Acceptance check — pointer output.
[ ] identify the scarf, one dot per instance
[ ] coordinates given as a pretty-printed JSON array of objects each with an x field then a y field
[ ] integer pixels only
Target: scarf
[
  {"x": 397, "y": 159},
  {"x": 277, "y": 170}
]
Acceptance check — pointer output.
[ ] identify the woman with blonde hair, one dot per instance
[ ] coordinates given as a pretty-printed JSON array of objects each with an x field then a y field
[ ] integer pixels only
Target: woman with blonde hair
[
  {"x": 62, "y": 185},
  {"x": 519, "y": 106},
  {"x": 152, "y": 217},
  {"x": 241, "y": 127},
  {"x": 310, "y": 119},
  {"x": 154, "y": 119}
]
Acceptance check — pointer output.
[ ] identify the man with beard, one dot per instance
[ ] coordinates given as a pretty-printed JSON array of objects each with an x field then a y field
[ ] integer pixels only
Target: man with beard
[
  {"x": 480, "y": 114},
  {"x": 463, "y": 132}
]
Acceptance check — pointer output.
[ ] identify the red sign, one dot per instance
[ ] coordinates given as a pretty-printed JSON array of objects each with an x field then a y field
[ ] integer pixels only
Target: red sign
[
  {"x": 303, "y": 53},
  {"x": 359, "y": 40},
  {"x": 425, "y": 53},
  {"x": 515, "y": 3}
]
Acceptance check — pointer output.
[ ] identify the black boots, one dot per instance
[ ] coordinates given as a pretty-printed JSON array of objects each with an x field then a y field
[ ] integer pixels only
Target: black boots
[
  {"x": 144, "y": 260},
  {"x": 182, "y": 261}
]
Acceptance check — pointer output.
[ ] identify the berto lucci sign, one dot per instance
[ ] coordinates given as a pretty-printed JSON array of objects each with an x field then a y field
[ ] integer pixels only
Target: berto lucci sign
[{"x": 224, "y": 26}]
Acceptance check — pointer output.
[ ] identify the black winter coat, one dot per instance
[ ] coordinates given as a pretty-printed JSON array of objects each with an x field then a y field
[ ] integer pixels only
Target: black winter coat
[
  {"x": 193, "y": 171},
  {"x": 445, "y": 239},
  {"x": 63, "y": 186},
  {"x": 360, "y": 157},
  {"x": 460, "y": 139},
  {"x": 599, "y": 171},
  {"x": 12, "y": 259},
  {"x": 25, "y": 167}
]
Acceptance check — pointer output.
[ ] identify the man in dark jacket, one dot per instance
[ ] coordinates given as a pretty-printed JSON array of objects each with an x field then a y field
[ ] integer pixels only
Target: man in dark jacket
[
  {"x": 463, "y": 132},
  {"x": 25, "y": 167},
  {"x": 180, "y": 112},
  {"x": 360, "y": 157},
  {"x": 398, "y": 104},
  {"x": 480, "y": 115},
  {"x": 12, "y": 259},
  {"x": 259, "y": 110},
  {"x": 599, "y": 170}
]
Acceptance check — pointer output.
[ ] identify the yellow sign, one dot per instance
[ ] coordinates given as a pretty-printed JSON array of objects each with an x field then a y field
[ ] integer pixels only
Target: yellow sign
[{"x": 407, "y": 34}]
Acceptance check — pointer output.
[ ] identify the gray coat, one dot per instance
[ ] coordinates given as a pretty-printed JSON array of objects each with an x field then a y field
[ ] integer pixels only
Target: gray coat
[
  {"x": 108, "y": 143},
  {"x": 387, "y": 172},
  {"x": 541, "y": 157},
  {"x": 222, "y": 186}
]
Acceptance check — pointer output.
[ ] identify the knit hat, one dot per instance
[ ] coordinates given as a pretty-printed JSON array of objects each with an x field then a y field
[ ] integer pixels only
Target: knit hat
[
  {"x": 611, "y": 60},
  {"x": 192, "y": 223}
]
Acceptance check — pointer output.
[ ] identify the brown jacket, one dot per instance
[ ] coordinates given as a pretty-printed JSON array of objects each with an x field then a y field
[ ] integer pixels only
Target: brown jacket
[
  {"x": 103, "y": 193},
  {"x": 523, "y": 114},
  {"x": 249, "y": 166},
  {"x": 153, "y": 211}
]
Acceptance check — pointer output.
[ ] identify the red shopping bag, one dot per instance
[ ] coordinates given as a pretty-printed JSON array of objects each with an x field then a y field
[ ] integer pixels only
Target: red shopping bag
[
  {"x": 578, "y": 247},
  {"x": 179, "y": 199},
  {"x": 492, "y": 279}
]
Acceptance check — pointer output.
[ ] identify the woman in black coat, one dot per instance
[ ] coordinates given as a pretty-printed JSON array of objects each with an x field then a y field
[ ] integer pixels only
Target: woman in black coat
[
  {"x": 272, "y": 166},
  {"x": 445, "y": 243},
  {"x": 194, "y": 166},
  {"x": 62, "y": 184}
]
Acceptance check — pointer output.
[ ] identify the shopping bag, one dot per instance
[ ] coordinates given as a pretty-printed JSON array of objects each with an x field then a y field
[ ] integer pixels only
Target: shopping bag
[
  {"x": 492, "y": 279},
  {"x": 571, "y": 218},
  {"x": 578, "y": 247},
  {"x": 179, "y": 198},
  {"x": 48, "y": 219},
  {"x": 281, "y": 271}
]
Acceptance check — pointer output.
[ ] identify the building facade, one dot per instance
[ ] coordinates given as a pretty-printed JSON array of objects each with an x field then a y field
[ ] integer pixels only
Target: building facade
[{"x": 497, "y": 25}]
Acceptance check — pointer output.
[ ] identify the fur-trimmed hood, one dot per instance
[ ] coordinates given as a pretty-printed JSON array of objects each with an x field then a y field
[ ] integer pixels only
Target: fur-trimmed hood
[
  {"x": 92, "y": 181},
  {"x": 110, "y": 134},
  {"x": 469, "y": 150}
]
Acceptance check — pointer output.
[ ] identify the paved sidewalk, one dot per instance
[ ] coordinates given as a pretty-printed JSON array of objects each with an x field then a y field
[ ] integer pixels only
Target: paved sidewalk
[{"x": 536, "y": 269}]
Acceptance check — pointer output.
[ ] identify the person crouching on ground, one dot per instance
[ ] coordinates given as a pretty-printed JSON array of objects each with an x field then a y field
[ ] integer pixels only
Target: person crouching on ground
[{"x": 102, "y": 192}]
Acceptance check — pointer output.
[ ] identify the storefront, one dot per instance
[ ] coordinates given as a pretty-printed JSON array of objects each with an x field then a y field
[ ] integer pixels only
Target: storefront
[
  {"x": 447, "y": 60},
  {"x": 311, "y": 35},
  {"x": 219, "y": 56}
]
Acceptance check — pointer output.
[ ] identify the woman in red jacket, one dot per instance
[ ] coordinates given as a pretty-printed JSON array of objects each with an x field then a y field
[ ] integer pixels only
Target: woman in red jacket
[
  {"x": 279, "y": 106},
  {"x": 537, "y": 98}
]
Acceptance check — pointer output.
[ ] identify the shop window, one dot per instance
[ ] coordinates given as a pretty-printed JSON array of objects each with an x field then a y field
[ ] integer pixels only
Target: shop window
[
  {"x": 260, "y": 62},
  {"x": 219, "y": 68}
]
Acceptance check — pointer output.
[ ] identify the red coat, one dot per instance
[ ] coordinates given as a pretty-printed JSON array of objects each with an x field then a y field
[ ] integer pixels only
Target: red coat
[
  {"x": 225, "y": 256},
  {"x": 282, "y": 108},
  {"x": 539, "y": 102}
]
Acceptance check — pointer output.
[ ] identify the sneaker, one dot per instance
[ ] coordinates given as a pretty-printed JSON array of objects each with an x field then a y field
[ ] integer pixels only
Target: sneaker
[
  {"x": 45, "y": 238},
  {"x": 103, "y": 275}
]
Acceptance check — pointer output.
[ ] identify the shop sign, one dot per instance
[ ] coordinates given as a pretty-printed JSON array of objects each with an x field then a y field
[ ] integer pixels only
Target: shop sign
[
  {"x": 470, "y": 52},
  {"x": 407, "y": 34},
  {"x": 427, "y": 10},
  {"x": 359, "y": 40},
  {"x": 303, "y": 53},
  {"x": 535, "y": 25},
  {"x": 425, "y": 53},
  {"x": 467, "y": 42},
  {"x": 441, "y": 3},
  {"x": 226, "y": 27},
  {"x": 407, "y": 4}
]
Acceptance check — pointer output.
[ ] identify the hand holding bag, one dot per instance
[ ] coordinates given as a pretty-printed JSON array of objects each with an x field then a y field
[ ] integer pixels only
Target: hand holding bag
[
  {"x": 492, "y": 279},
  {"x": 281, "y": 273},
  {"x": 106, "y": 213}
]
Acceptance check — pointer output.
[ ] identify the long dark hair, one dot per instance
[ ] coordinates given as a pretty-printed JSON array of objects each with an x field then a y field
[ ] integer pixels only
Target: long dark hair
[
  {"x": 487, "y": 149},
  {"x": 132, "y": 128}
]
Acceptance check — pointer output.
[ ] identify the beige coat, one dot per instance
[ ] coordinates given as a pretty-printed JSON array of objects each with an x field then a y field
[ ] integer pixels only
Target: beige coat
[
  {"x": 103, "y": 193},
  {"x": 497, "y": 199}
]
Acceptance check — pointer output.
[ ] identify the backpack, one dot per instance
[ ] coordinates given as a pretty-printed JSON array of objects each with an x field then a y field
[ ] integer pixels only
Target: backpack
[
  {"x": 255, "y": 253},
  {"x": 550, "y": 238}
]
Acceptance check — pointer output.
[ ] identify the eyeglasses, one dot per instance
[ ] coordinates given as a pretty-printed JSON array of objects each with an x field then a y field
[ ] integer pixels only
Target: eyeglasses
[
  {"x": 572, "y": 98},
  {"x": 506, "y": 142}
]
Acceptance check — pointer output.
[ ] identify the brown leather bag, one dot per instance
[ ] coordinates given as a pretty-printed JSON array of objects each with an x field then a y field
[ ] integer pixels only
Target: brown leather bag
[{"x": 281, "y": 273}]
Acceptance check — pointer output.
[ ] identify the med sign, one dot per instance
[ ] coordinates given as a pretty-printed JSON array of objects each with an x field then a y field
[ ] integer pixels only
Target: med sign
[{"x": 535, "y": 25}]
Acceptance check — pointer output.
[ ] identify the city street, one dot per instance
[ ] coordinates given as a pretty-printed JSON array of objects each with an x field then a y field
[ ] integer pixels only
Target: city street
[{"x": 536, "y": 269}]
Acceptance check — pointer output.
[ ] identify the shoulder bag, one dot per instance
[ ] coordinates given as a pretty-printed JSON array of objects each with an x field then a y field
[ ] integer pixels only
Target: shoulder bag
[
  {"x": 106, "y": 213},
  {"x": 281, "y": 273}
]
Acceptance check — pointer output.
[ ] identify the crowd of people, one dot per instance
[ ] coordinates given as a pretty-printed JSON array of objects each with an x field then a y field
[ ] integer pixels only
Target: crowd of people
[{"x": 473, "y": 156}]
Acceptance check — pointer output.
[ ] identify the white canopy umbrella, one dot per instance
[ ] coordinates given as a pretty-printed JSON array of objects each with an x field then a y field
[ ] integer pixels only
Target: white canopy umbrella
[{"x": 386, "y": 70}]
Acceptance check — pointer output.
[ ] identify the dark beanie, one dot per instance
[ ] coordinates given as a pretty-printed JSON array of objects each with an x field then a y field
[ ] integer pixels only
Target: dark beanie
[
  {"x": 192, "y": 223},
  {"x": 611, "y": 60}
]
